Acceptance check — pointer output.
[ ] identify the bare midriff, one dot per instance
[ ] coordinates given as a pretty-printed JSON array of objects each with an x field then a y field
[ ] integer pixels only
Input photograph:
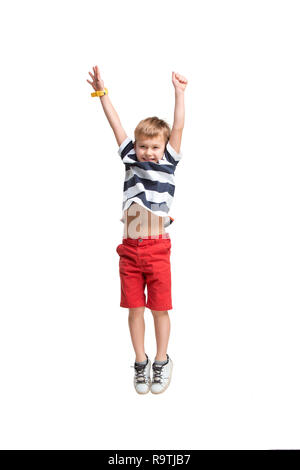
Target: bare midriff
[{"x": 139, "y": 222}]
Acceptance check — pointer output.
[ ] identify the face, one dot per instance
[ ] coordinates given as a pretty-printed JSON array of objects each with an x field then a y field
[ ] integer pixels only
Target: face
[{"x": 150, "y": 149}]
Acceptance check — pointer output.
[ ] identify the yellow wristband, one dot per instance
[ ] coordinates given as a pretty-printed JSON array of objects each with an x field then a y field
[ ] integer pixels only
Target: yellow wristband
[{"x": 100, "y": 93}]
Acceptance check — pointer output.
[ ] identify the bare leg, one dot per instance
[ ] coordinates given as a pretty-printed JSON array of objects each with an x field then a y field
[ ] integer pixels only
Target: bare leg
[
  {"x": 162, "y": 333},
  {"x": 137, "y": 331}
]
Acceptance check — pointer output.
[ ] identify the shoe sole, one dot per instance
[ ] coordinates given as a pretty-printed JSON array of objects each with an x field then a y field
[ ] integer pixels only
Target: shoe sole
[
  {"x": 143, "y": 393},
  {"x": 168, "y": 383}
]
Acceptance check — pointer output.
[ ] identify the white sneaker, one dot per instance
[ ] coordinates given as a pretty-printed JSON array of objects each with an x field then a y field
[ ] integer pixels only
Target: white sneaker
[
  {"x": 142, "y": 379},
  {"x": 161, "y": 376}
]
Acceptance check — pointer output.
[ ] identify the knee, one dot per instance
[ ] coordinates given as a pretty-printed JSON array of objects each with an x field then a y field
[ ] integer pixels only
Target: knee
[
  {"x": 136, "y": 312},
  {"x": 159, "y": 313}
]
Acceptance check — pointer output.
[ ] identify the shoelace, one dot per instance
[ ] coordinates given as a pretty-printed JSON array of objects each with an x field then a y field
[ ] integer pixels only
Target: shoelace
[
  {"x": 157, "y": 370},
  {"x": 140, "y": 375}
]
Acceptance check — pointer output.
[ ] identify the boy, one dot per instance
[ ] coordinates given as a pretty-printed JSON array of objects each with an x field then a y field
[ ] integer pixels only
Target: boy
[{"x": 150, "y": 163}]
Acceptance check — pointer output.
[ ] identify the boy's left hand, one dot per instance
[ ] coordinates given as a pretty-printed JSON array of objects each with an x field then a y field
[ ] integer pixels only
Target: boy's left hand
[{"x": 179, "y": 81}]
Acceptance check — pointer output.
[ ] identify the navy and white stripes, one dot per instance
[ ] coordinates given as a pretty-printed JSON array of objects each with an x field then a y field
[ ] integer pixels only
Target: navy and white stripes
[{"x": 149, "y": 184}]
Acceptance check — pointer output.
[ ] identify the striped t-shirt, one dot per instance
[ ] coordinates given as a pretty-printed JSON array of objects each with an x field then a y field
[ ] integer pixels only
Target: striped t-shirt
[{"x": 149, "y": 184}]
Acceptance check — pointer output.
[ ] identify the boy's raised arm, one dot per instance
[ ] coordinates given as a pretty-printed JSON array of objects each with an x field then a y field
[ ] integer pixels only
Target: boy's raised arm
[
  {"x": 108, "y": 108},
  {"x": 180, "y": 84},
  {"x": 113, "y": 119}
]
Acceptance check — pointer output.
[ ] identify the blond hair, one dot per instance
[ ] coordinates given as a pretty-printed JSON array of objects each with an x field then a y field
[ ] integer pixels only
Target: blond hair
[{"x": 152, "y": 127}]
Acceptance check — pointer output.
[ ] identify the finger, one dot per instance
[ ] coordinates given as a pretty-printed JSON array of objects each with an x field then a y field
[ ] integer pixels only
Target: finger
[
  {"x": 92, "y": 75},
  {"x": 89, "y": 82},
  {"x": 181, "y": 78}
]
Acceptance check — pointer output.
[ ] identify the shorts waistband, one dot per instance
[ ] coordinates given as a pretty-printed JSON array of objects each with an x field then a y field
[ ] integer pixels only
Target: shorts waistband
[{"x": 146, "y": 240}]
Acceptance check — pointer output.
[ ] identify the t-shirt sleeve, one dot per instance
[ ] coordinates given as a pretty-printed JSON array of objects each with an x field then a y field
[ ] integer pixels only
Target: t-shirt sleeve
[
  {"x": 126, "y": 150},
  {"x": 171, "y": 155}
]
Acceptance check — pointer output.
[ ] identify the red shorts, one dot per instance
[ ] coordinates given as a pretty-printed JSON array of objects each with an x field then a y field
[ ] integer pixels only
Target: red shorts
[{"x": 145, "y": 261}]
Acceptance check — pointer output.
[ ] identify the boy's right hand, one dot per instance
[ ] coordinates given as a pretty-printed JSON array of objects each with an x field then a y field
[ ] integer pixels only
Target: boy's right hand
[{"x": 97, "y": 82}]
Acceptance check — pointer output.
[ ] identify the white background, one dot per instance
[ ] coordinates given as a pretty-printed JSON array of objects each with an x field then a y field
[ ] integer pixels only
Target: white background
[{"x": 65, "y": 348}]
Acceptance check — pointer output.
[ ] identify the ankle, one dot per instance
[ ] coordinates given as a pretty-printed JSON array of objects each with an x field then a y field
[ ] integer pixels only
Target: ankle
[
  {"x": 161, "y": 358},
  {"x": 141, "y": 358}
]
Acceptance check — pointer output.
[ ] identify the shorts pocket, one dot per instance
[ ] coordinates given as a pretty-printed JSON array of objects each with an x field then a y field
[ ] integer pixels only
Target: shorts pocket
[{"x": 167, "y": 246}]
